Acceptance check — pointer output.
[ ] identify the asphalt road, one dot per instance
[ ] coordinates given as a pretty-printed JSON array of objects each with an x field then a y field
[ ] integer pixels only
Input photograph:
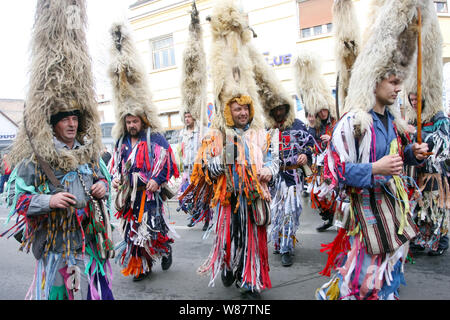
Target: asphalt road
[{"x": 427, "y": 279}]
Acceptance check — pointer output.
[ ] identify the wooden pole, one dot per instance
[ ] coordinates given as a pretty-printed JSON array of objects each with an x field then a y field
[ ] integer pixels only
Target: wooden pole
[{"x": 419, "y": 77}]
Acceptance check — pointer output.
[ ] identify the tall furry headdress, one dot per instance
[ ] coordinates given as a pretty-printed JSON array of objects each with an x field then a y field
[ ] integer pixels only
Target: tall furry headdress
[
  {"x": 131, "y": 94},
  {"x": 270, "y": 90},
  {"x": 311, "y": 85},
  {"x": 194, "y": 76},
  {"x": 231, "y": 65},
  {"x": 432, "y": 69},
  {"x": 347, "y": 43},
  {"x": 388, "y": 50},
  {"x": 60, "y": 80}
]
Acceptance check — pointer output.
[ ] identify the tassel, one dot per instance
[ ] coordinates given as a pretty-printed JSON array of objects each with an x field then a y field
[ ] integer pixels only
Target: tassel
[{"x": 339, "y": 245}]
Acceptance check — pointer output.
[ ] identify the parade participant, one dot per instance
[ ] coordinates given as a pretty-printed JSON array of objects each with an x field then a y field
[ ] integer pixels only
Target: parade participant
[
  {"x": 234, "y": 163},
  {"x": 142, "y": 164},
  {"x": 193, "y": 96},
  {"x": 5, "y": 172},
  {"x": 433, "y": 203},
  {"x": 59, "y": 188},
  {"x": 365, "y": 158},
  {"x": 318, "y": 101},
  {"x": 295, "y": 154}
]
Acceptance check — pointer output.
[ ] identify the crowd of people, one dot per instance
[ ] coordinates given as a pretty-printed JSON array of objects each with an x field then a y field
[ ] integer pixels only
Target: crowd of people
[{"x": 383, "y": 184}]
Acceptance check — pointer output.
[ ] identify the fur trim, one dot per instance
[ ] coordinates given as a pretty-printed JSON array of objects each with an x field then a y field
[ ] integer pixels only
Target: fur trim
[
  {"x": 231, "y": 65},
  {"x": 347, "y": 43},
  {"x": 432, "y": 68},
  {"x": 270, "y": 90},
  {"x": 131, "y": 94},
  {"x": 389, "y": 50},
  {"x": 242, "y": 100},
  {"x": 194, "y": 77},
  {"x": 60, "y": 78},
  {"x": 310, "y": 84}
]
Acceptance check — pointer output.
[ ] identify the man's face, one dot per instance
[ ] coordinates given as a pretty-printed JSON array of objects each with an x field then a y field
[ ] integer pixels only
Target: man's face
[
  {"x": 387, "y": 90},
  {"x": 413, "y": 100},
  {"x": 240, "y": 114},
  {"x": 66, "y": 129},
  {"x": 279, "y": 113},
  {"x": 188, "y": 120},
  {"x": 134, "y": 125},
  {"x": 323, "y": 114}
]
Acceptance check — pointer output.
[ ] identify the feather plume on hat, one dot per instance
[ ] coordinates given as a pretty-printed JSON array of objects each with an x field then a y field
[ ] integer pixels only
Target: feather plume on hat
[
  {"x": 231, "y": 65},
  {"x": 432, "y": 69},
  {"x": 311, "y": 85},
  {"x": 61, "y": 80},
  {"x": 388, "y": 50},
  {"x": 347, "y": 43},
  {"x": 131, "y": 94},
  {"x": 194, "y": 76}
]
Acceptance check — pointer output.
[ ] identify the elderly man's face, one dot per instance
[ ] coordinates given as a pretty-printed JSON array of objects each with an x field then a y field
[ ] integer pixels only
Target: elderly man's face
[
  {"x": 280, "y": 113},
  {"x": 240, "y": 114},
  {"x": 66, "y": 129},
  {"x": 134, "y": 125}
]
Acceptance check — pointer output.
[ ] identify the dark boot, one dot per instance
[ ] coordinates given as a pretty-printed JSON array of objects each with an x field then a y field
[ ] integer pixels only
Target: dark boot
[
  {"x": 325, "y": 226},
  {"x": 286, "y": 259},
  {"x": 205, "y": 226},
  {"x": 227, "y": 277},
  {"x": 191, "y": 223},
  {"x": 166, "y": 261},
  {"x": 141, "y": 277}
]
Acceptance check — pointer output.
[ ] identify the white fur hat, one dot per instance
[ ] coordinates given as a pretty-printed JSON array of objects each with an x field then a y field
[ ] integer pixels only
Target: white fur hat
[
  {"x": 61, "y": 80},
  {"x": 131, "y": 93},
  {"x": 194, "y": 76}
]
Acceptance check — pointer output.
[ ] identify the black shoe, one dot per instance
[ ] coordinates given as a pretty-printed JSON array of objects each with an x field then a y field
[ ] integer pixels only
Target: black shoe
[
  {"x": 286, "y": 259},
  {"x": 166, "y": 261},
  {"x": 205, "y": 226},
  {"x": 227, "y": 277},
  {"x": 276, "y": 251},
  {"x": 438, "y": 252},
  {"x": 415, "y": 248},
  {"x": 141, "y": 277},
  {"x": 325, "y": 226},
  {"x": 191, "y": 223}
]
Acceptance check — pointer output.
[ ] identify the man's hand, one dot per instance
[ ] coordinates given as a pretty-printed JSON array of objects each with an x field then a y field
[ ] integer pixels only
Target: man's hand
[
  {"x": 419, "y": 150},
  {"x": 98, "y": 190},
  {"x": 302, "y": 159},
  {"x": 325, "y": 138},
  {"x": 388, "y": 165},
  {"x": 62, "y": 200},
  {"x": 152, "y": 185},
  {"x": 265, "y": 175},
  {"x": 115, "y": 183}
]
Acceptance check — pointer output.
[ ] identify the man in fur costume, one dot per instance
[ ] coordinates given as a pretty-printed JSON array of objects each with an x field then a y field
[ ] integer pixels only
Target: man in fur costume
[
  {"x": 142, "y": 165},
  {"x": 433, "y": 206},
  {"x": 59, "y": 188},
  {"x": 193, "y": 93},
  {"x": 295, "y": 154},
  {"x": 365, "y": 160},
  {"x": 235, "y": 162},
  {"x": 316, "y": 96}
]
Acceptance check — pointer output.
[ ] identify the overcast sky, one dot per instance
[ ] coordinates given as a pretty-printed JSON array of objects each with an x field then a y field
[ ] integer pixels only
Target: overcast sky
[{"x": 16, "y": 21}]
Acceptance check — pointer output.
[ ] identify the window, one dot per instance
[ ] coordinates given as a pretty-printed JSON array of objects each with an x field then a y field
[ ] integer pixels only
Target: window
[
  {"x": 163, "y": 52},
  {"x": 441, "y": 6},
  {"x": 315, "y": 17}
]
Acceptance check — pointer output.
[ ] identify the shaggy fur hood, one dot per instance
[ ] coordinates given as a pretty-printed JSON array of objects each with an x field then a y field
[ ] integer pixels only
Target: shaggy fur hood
[
  {"x": 347, "y": 43},
  {"x": 388, "y": 50},
  {"x": 231, "y": 64},
  {"x": 60, "y": 80},
  {"x": 131, "y": 94},
  {"x": 311, "y": 85},
  {"x": 432, "y": 69},
  {"x": 194, "y": 76}
]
